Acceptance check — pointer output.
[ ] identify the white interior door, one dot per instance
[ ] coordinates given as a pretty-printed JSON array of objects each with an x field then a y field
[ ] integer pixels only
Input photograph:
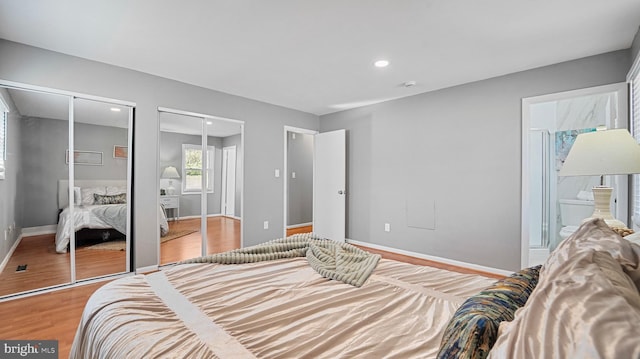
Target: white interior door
[
  {"x": 229, "y": 181},
  {"x": 329, "y": 185}
]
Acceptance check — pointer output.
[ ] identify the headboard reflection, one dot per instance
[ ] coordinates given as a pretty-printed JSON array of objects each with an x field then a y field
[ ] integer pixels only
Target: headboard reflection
[{"x": 63, "y": 188}]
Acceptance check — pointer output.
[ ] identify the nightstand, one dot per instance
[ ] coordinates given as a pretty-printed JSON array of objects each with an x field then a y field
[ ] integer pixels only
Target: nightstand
[{"x": 172, "y": 203}]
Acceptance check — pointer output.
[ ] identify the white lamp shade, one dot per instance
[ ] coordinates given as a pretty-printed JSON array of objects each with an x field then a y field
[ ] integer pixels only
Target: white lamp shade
[
  {"x": 170, "y": 172},
  {"x": 610, "y": 152}
]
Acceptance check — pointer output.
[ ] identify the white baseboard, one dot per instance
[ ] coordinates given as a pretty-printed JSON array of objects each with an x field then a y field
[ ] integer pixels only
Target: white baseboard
[
  {"x": 148, "y": 269},
  {"x": 300, "y": 225},
  {"x": 208, "y": 215},
  {"x": 10, "y": 253},
  {"x": 433, "y": 258},
  {"x": 36, "y": 231}
]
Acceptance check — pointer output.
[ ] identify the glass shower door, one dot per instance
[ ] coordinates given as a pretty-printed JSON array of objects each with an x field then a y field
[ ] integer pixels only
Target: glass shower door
[{"x": 539, "y": 188}]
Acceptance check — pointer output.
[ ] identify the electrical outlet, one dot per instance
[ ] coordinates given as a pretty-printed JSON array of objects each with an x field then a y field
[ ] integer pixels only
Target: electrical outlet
[
  {"x": 266, "y": 225},
  {"x": 277, "y": 173},
  {"x": 387, "y": 227}
]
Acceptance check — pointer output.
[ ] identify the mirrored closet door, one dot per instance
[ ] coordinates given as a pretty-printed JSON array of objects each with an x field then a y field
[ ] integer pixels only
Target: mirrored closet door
[
  {"x": 200, "y": 184},
  {"x": 58, "y": 154},
  {"x": 101, "y": 131}
]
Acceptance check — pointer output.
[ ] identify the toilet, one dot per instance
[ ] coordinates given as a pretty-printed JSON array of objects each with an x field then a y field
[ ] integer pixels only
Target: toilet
[{"x": 572, "y": 213}]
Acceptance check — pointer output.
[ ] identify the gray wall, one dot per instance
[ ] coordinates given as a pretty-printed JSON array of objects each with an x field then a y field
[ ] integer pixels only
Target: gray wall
[
  {"x": 44, "y": 143},
  {"x": 236, "y": 140},
  {"x": 171, "y": 155},
  {"x": 458, "y": 151},
  {"x": 264, "y": 123},
  {"x": 10, "y": 187},
  {"x": 300, "y": 161}
]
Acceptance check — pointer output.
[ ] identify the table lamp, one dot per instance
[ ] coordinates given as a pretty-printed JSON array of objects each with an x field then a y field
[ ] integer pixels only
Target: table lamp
[
  {"x": 600, "y": 153},
  {"x": 170, "y": 173}
]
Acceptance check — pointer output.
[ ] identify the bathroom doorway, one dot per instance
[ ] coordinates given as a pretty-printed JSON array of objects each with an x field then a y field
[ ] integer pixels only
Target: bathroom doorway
[{"x": 553, "y": 206}]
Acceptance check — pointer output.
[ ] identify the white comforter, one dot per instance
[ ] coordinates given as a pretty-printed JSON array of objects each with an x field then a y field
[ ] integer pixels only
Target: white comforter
[{"x": 84, "y": 217}]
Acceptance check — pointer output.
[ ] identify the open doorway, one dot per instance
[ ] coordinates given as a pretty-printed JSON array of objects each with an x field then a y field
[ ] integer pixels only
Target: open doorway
[{"x": 298, "y": 180}]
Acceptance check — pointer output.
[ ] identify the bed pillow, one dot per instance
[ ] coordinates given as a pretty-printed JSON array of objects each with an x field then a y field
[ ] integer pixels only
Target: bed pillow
[
  {"x": 110, "y": 199},
  {"x": 111, "y": 190},
  {"x": 586, "y": 304},
  {"x": 88, "y": 192},
  {"x": 473, "y": 329},
  {"x": 77, "y": 196}
]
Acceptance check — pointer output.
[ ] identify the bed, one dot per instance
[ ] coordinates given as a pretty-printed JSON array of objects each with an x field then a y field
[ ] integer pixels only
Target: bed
[
  {"x": 287, "y": 301},
  {"x": 99, "y": 205}
]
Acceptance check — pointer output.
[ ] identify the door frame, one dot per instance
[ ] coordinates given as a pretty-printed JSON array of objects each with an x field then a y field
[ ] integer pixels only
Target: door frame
[
  {"x": 285, "y": 171},
  {"x": 225, "y": 174}
]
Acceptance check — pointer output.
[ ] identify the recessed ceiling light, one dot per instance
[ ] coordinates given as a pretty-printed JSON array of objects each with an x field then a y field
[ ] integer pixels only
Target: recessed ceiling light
[
  {"x": 209, "y": 123},
  {"x": 115, "y": 109},
  {"x": 381, "y": 63}
]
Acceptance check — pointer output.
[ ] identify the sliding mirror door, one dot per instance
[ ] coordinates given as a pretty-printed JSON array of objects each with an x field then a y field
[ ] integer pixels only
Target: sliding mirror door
[
  {"x": 180, "y": 182},
  {"x": 224, "y": 184},
  {"x": 101, "y": 140},
  {"x": 59, "y": 153},
  {"x": 36, "y": 137},
  {"x": 200, "y": 184}
]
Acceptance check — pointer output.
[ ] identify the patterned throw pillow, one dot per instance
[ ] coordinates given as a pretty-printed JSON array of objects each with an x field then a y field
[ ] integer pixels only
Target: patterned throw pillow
[
  {"x": 473, "y": 329},
  {"x": 109, "y": 199}
]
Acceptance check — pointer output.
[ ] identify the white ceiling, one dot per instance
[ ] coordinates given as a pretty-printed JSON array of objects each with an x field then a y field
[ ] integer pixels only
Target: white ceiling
[
  {"x": 316, "y": 56},
  {"x": 56, "y": 107}
]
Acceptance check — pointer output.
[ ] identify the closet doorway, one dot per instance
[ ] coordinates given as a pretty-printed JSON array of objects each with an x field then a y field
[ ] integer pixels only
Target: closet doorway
[
  {"x": 199, "y": 184},
  {"x": 298, "y": 180}
]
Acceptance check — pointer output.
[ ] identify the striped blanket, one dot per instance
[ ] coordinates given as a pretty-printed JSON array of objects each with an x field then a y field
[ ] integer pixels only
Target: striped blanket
[{"x": 331, "y": 259}]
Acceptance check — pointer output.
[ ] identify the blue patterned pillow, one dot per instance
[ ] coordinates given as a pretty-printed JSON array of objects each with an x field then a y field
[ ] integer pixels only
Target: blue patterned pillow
[
  {"x": 473, "y": 329},
  {"x": 109, "y": 199}
]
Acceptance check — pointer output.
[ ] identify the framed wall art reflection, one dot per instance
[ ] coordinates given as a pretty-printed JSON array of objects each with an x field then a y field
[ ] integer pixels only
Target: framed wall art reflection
[
  {"x": 89, "y": 158},
  {"x": 120, "y": 151}
]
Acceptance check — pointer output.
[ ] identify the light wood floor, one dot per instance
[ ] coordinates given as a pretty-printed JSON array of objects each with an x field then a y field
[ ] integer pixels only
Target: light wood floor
[
  {"x": 190, "y": 246},
  {"x": 46, "y": 268},
  {"x": 55, "y": 315}
]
